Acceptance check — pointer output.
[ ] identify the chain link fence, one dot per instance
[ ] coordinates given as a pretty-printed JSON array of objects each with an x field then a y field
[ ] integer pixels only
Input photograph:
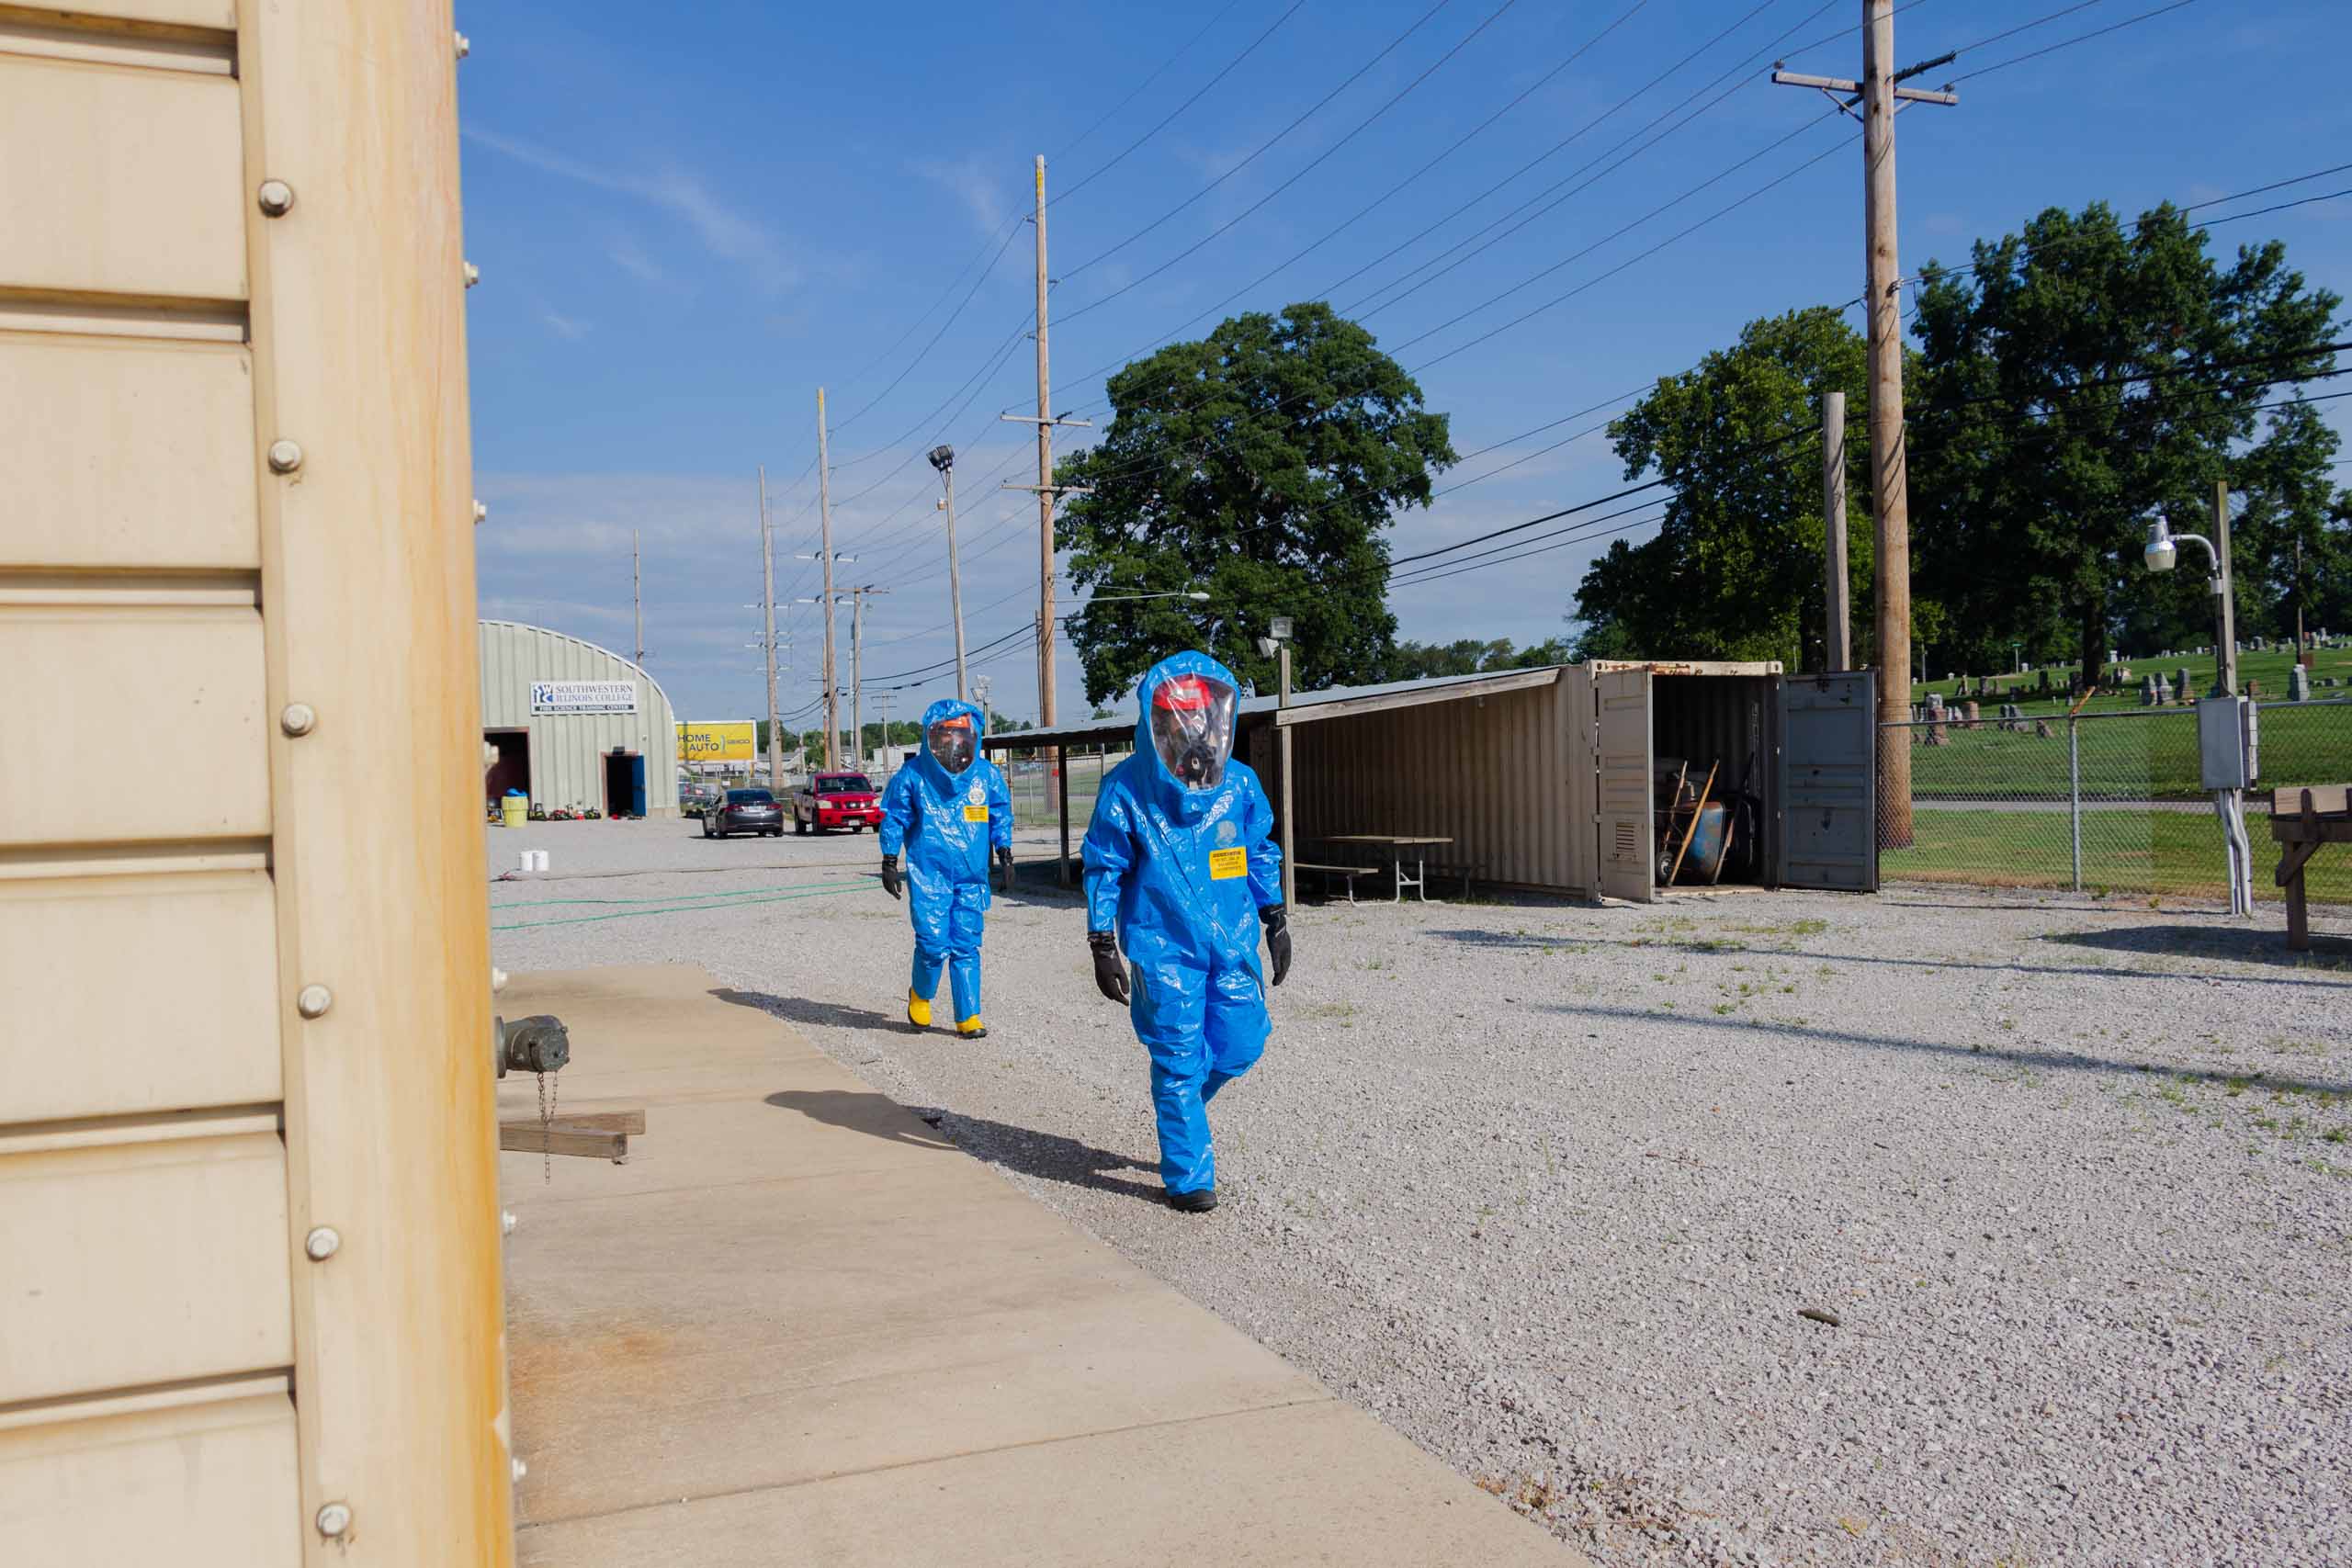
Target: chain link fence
[
  {"x": 2102, "y": 802},
  {"x": 1029, "y": 775}
]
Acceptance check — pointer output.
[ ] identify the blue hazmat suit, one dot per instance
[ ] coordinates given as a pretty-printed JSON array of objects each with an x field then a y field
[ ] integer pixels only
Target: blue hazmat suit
[
  {"x": 1181, "y": 874},
  {"x": 945, "y": 825}
]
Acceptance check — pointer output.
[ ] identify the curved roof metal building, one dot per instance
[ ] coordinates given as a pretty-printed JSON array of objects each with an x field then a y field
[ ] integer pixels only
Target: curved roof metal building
[{"x": 575, "y": 719}]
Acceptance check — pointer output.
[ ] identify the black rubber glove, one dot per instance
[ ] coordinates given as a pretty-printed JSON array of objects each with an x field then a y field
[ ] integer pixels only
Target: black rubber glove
[
  {"x": 1110, "y": 970},
  {"x": 1276, "y": 920},
  {"x": 891, "y": 880},
  {"x": 1004, "y": 864}
]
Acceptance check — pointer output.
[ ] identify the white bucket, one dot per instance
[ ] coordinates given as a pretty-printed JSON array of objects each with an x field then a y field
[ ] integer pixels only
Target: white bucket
[
  {"x": 524, "y": 858},
  {"x": 538, "y": 859}
]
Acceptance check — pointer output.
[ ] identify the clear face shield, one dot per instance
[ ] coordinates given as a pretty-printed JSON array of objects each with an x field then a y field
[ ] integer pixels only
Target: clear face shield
[
  {"x": 1192, "y": 727},
  {"x": 952, "y": 742}
]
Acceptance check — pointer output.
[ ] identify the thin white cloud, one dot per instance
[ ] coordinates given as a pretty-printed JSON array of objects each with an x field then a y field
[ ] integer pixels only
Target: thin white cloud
[
  {"x": 979, "y": 183},
  {"x": 630, "y": 257},
  {"x": 569, "y": 328},
  {"x": 731, "y": 235}
]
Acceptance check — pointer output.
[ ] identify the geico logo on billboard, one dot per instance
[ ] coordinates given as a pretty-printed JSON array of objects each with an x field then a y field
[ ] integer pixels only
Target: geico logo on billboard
[
  {"x": 722, "y": 740},
  {"x": 584, "y": 696}
]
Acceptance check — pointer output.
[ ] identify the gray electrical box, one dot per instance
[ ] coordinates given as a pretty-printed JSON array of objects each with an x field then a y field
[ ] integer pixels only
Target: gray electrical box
[{"x": 2225, "y": 742}]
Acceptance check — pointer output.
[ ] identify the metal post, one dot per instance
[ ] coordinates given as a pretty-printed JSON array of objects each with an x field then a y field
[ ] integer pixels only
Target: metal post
[
  {"x": 767, "y": 642},
  {"x": 825, "y": 547},
  {"x": 637, "y": 585},
  {"x": 2226, "y": 652},
  {"x": 1890, "y": 491},
  {"x": 857, "y": 678},
  {"x": 1282, "y": 732},
  {"x": 2075, "y": 793},
  {"x": 1061, "y": 768},
  {"x": 1836, "y": 634}
]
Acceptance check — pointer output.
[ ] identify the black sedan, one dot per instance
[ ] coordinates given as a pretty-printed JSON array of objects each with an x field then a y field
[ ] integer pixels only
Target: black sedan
[{"x": 743, "y": 811}]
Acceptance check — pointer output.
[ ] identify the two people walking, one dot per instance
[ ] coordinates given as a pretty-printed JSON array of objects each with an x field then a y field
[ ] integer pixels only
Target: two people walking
[{"x": 1182, "y": 878}]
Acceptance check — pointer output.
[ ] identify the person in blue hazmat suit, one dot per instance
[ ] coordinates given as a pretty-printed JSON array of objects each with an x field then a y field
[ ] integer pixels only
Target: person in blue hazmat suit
[
  {"x": 1182, "y": 874},
  {"x": 947, "y": 811}
]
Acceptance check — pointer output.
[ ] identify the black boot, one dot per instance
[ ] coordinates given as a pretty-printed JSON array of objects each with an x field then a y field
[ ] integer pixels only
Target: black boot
[{"x": 1200, "y": 1200}]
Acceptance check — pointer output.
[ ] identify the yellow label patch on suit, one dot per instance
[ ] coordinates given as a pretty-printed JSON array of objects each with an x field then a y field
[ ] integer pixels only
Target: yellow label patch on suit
[
  {"x": 1223, "y": 864},
  {"x": 975, "y": 814}
]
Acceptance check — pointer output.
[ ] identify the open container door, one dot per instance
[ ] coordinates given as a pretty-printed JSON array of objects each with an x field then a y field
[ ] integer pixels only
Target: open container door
[
  {"x": 1827, "y": 754},
  {"x": 1621, "y": 749}
]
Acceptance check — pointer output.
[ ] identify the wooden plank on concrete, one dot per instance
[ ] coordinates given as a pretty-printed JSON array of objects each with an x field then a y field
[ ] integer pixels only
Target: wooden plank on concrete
[{"x": 557, "y": 1138}]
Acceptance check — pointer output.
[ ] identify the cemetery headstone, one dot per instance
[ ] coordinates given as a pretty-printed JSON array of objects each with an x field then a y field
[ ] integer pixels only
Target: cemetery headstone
[{"x": 2299, "y": 684}]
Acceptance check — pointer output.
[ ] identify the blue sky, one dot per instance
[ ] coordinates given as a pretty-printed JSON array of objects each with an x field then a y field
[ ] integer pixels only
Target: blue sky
[{"x": 689, "y": 219}]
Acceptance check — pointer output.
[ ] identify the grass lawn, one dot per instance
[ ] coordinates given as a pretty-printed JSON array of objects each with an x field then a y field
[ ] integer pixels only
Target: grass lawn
[
  {"x": 2126, "y": 758},
  {"x": 2167, "y": 853}
]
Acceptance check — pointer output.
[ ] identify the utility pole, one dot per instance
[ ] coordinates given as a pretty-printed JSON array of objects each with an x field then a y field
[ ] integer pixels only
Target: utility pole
[
  {"x": 825, "y": 530},
  {"x": 767, "y": 639},
  {"x": 637, "y": 585},
  {"x": 857, "y": 673},
  {"x": 1837, "y": 640},
  {"x": 1877, "y": 93},
  {"x": 2301, "y": 657},
  {"x": 942, "y": 458},
  {"x": 882, "y": 698},
  {"x": 2225, "y": 654}
]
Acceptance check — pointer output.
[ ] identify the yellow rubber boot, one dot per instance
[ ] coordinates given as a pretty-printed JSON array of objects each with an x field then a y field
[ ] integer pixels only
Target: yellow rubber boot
[
  {"x": 972, "y": 1028},
  {"x": 918, "y": 1010}
]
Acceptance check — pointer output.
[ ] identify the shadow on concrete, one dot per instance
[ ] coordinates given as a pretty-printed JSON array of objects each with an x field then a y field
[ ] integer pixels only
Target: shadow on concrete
[
  {"x": 859, "y": 1112},
  {"x": 2042, "y": 1059},
  {"x": 805, "y": 1010},
  {"x": 2328, "y": 955},
  {"x": 1046, "y": 1156}
]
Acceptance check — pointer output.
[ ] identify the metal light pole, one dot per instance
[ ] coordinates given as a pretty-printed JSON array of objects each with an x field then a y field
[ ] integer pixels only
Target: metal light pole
[
  {"x": 942, "y": 458},
  {"x": 2229, "y": 804}
]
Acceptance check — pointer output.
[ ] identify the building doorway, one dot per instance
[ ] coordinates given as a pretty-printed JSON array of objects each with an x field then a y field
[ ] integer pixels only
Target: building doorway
[
  {"x": 513, "y": 768},
  {"x": 624, "y": 783}
]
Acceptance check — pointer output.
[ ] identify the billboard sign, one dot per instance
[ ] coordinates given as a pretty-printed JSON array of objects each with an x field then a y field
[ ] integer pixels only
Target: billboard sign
[
  {"x": 584, "y": 696},
  {"x": 717, "y": 740}
]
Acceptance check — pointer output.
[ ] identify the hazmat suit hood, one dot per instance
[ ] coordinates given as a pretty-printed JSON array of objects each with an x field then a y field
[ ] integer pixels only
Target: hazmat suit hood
[
  {"x": 1182, "y": 803},
  {"x": 941, "y": 781}
]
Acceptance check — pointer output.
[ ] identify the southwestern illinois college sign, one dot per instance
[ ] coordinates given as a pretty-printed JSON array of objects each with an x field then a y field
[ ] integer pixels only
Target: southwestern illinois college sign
[{"x": 584, "y": 696}]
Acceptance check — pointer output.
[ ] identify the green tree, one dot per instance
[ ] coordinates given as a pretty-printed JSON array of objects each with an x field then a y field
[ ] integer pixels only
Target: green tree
[
  {"x": 1470, "y": 656},
  {"x": 2081, "y": 377},
  {"x": 1734, "y": 569},
  {"x": 1261, "y": 466}
]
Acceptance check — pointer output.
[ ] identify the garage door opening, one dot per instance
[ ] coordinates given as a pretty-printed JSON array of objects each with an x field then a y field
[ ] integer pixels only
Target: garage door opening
[
  {"x": 513, "y": 768},
  {"x": 624, "y": 783}
]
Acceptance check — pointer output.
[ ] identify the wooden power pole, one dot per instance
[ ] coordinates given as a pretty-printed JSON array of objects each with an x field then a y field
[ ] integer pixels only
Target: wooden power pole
[
  {"x": 1837, "y": 640},
  {"x": 1877, "y": 93},
  {"x": 825, "y": 551},
  {"x": 767, "y": 638}
]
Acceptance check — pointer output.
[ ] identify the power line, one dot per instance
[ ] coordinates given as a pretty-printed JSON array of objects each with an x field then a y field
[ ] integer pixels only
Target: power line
[
  {"x": 1107, "y": 115},
  {"x": 1180, "y": 108},
  {"x": 2068, "y": 43},
  {"x": 1308, "y": 168},
  {"x": 1262, "y": 147}
]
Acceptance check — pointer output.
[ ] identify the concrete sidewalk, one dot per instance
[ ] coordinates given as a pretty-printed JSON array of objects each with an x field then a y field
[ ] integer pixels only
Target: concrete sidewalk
[{"x": 800, "y": 1327}]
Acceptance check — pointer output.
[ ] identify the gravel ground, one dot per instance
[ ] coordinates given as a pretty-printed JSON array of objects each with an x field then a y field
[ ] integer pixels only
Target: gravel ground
[{"x": 1547, "y": 1187}]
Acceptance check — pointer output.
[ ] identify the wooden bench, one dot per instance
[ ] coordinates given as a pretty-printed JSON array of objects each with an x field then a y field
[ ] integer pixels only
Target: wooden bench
[
  {"x": 1466, "y": 870},
  {"x": 1348, "y": 871},
  {"x": 2301, "y": 821}
]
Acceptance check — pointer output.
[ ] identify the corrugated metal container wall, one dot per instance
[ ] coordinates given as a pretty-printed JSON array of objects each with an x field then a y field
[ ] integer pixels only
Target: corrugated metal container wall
[
  {"x": 568, "y": 750},
  {"x": 1507, "y": 777}
]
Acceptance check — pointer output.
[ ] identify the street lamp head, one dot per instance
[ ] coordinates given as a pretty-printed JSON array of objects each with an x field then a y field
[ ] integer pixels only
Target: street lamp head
[
  {"x": 1278, "y": 629},
  {"x": 1198, "y": 597},
  {"x": 2162, "y": 554},
  {"x": 942, "y": 458}
]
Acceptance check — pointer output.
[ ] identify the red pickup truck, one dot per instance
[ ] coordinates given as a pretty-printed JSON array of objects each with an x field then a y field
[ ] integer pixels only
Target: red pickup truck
[{"x": 836, "y": 800}]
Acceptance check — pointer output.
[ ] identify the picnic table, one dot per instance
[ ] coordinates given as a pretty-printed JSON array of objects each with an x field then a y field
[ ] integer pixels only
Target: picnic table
[
  {"x": 2301, "y": 821},
  {"x": 1399, "y": 848}
]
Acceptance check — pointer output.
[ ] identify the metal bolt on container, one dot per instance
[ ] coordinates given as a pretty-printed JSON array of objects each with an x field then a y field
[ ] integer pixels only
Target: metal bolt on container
[
  {"x": 312, "y": 1001},
  {"x": 276, "y": 198},
  {"x": 506, "y": 1222},
  {"x": 285, "y": 457},
  {"x": 322, "y": 1244},
  {"x": 299, "y": 718},
  {"x": 473, "y": 275},
  {"x": 334, "y": 1520}
]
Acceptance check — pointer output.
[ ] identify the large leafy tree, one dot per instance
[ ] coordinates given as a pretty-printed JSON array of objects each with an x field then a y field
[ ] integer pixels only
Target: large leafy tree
[
  {"x": 1261, "y": 466},
  {"x": 1471, "y": 656},
  {"x": 1734, "y": 569},
  {"x": 2082, "y": 377}
]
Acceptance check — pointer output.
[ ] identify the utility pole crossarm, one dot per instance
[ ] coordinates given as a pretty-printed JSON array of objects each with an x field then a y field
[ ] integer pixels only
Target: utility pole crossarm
[
  {"x": 1944, "y": 95},
  {"x": 1058, "y": 419}
]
